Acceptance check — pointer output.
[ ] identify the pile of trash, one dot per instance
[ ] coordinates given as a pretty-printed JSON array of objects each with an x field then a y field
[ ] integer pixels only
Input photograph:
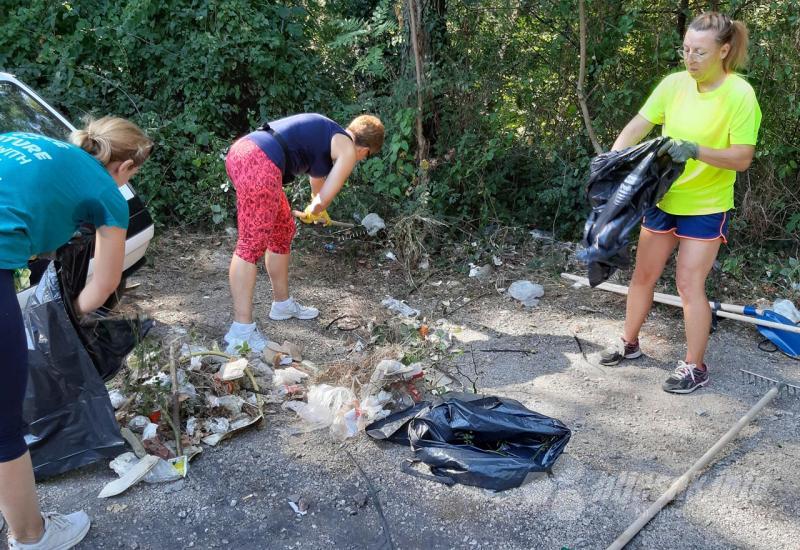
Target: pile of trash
[{"x": 166, "y": 419}]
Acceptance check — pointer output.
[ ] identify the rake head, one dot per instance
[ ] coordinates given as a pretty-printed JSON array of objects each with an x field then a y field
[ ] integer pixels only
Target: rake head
[{"x": 766, "y": 382}]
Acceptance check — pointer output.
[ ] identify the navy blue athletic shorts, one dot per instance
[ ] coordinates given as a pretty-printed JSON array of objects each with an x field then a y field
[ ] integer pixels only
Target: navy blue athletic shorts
[{"x": 707, "y": 227}]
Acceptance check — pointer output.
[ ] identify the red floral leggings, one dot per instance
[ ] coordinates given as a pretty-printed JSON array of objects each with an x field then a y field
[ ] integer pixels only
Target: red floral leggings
[{"x": 263, "y": 214}]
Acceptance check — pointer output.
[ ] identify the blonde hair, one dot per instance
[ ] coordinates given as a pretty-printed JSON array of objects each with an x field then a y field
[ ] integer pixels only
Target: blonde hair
[
  {"x": 728, "y": 32},
  {"x": 110, "y": 139},
  {"x": 368, "y": 131}
]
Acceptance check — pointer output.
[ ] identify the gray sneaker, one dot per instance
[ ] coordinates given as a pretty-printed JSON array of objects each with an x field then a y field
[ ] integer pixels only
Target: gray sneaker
[
  {"x": 289, "y": 309},
  {"x": 60, "y": 532},
  {"x": 620, "y": 351}
]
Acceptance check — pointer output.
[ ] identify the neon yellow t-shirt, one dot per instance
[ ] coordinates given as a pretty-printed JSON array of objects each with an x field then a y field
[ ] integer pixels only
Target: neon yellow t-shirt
[{"x": 728, "y": 115}]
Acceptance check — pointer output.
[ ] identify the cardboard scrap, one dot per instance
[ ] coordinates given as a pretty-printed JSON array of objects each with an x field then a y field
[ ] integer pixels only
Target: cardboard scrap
[{"x": 131, "y": 478}]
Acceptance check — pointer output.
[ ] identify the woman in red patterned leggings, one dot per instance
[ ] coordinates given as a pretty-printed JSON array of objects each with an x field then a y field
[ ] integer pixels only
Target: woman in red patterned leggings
[{"x": 258, "y": 165}]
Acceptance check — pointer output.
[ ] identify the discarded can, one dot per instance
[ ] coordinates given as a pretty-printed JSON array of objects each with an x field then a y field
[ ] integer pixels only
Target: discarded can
[{"x": 155, "y": 416}]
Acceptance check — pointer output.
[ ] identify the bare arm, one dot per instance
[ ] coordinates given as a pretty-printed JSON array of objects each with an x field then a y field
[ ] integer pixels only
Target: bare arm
[
  {"x": 316, "y": 185},
  {"x": 633, "y": 132},
  {"x": 109, "y": 255},
  {"x": 343, "y": 152},
  {"x": 735, "y": 157}
]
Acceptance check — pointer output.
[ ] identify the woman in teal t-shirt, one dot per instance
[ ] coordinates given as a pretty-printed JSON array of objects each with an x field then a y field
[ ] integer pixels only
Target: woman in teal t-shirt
[{"x": 49, "y": 188}]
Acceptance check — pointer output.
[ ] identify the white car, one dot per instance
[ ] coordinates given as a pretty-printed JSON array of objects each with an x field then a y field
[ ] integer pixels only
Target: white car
[{"x": 22, "y": 110}]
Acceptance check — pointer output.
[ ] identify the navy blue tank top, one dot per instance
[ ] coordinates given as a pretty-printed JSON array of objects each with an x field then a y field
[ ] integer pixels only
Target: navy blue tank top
[{"x": 308, "y": 139}]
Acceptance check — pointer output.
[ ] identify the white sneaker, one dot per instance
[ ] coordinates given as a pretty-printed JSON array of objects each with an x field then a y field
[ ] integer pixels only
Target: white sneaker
[
  {"x": 60, "y": 532},
  {"x": 254, "y": 339},
  {"x": 280, "y": 311}
]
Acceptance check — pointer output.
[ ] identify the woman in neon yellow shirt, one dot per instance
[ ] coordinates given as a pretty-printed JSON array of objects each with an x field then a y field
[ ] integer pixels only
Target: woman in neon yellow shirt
[{"x": 712, "y": 115}]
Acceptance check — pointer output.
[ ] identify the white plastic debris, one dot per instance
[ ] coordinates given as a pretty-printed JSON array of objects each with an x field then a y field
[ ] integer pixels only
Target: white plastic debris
[
  {"x": 391, "y": 256},
  {"x": 117, "y": 399},
  {"x": 287, "y": 376},
  {"x": 162, "y": 472},
  {"x": 218, "y": 425},
  {"x": 150, "y": 431},
  {"x": 373, "y": 223},
  {"x": 497, "y": 261},
  {"x": 400, "y": 307},
  {"x": 191, "y": 426},
  {"x": 787, "y": 309},
  {"x": 232, "y": 370},
  {"x": 325, "y": 404},
  {"x": 231, "y": 402},
  {"x": 424, "y": 264},
  {"x": 526, "y": 292},
  {"x": 479, "y": 271}
]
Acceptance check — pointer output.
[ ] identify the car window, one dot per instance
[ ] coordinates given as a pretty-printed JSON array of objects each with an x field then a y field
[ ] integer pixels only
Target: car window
[{"x": 19, "y": 112}]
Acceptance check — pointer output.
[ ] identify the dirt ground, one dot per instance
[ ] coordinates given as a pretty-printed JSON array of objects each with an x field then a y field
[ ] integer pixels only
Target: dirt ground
[{"x": 629, "y": 441}]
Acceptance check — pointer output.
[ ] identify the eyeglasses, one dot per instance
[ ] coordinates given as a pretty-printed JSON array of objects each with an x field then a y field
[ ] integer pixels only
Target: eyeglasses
[{"x": 692, "y": 56}]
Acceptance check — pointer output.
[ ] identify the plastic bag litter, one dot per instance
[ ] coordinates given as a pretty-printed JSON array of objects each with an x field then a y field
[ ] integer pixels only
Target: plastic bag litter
[
  {"x": 324, "y": 404},
  {"x": 67, "y": 410},
  {"x": 117, "y": 398},
  {"x": 480, "y": 271},
  {"x": 484, "y": 441},
  {"x": 150, "y": 431},
  {"x": 787, "y": 309},
  {"x": 526, "y": 292},
  {"x": 162, "y": 472},
  {"x": 622, "y": 185},
  {"x": 108, "y": 338},
  {"x": 218, "y": 425},
  {"x": 287, "y": 376},
  {"x": 400, "y": 307},
  {"x": 373, "y": 223}
]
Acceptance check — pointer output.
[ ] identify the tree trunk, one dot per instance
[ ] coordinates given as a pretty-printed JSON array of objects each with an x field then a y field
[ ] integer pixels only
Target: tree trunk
[
  {"x": 582, "y": 76},
  {"x": 414, "y": 23},
  {"x": 683, "y": 12}
]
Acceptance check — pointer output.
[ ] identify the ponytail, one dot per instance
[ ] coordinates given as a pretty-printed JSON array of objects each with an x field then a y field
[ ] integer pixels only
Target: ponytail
[
  {"x": 110, "y": 139},
  {"x": 729, "y": 32}
]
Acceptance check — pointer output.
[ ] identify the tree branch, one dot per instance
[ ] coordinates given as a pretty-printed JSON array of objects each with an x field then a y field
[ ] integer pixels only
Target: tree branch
[{"x": 581, "y": 77}]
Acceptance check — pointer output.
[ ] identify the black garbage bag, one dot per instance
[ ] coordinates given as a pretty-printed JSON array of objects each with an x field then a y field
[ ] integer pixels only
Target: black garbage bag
[
  {"x": 394, "y": 427},
  {"x": 67, "y": 410},
  {"x": 622, "y": 185},
  {"x": 489, "y": 442},
  {"x": 108, "y": 338}
]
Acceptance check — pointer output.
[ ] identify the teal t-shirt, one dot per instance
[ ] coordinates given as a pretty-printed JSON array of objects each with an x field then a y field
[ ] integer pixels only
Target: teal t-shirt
[{"x": 49, "y": 188}]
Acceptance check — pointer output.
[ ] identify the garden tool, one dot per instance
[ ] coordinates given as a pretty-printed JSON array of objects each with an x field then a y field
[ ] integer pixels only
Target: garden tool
[
  {"x": 776, "y": 388},
  {"x": 778, "y": 329}
]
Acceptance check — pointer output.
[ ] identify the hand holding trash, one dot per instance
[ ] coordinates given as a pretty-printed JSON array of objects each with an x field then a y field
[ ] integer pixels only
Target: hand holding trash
[{"x": 680, "y": 150}]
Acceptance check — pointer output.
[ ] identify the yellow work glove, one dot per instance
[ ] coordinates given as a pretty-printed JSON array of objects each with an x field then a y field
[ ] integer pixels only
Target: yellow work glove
[{"x": 309, "y": 217}]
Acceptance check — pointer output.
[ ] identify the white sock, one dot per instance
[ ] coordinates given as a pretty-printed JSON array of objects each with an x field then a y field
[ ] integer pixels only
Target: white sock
[
  {"x": 286, "y": 302},
  {"x": 242, "y": 328}
]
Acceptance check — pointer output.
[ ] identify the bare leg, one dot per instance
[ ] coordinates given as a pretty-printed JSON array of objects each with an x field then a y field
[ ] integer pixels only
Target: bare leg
[
  {"x": 695, "y": 259},
  {"x": 278, "y": 269},
  {"x": 651, "y": 256},
  {"x": 18, "y": 501},
  {"x": 242, "y": 276}
]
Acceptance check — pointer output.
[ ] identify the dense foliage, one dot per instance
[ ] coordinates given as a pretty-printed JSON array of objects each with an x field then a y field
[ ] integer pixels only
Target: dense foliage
[{"x": 507, "y": 142}]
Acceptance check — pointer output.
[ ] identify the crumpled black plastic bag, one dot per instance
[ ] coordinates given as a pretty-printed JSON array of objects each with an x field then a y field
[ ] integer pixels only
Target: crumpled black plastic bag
[
  {"x": 489, "y": 442},
  {"x": 107, "y": 338},
  {"x": 70, "y": 418},
  {"x": 622, "y": 185}
]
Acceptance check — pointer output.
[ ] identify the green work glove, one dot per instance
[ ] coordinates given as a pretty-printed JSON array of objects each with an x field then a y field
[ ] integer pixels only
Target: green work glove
[{"x": 680, "y": 150}]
